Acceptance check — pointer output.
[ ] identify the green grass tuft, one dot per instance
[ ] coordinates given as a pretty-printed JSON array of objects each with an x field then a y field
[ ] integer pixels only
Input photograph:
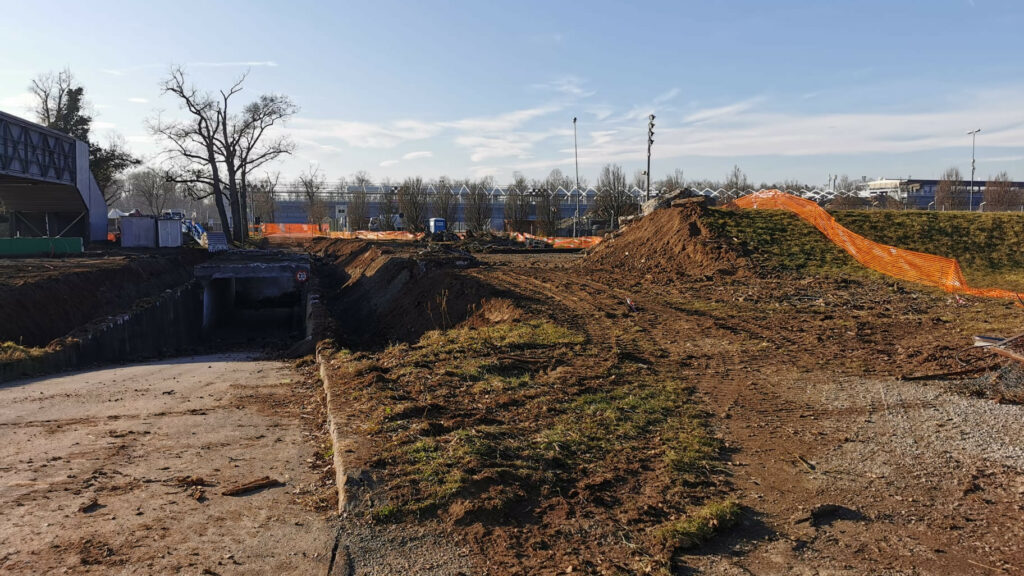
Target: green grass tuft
[
  {"x": 698, "y": 527},
  {"x": 11, "y": 352}
]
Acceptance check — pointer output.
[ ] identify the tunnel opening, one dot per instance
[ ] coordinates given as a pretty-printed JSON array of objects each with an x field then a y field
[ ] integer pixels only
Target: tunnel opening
[{"x": 255, "y": 299}]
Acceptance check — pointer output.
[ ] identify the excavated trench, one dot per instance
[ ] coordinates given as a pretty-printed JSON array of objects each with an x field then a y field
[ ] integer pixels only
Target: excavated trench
[
  {"x": 375, "y": 296},
  {"x": 245, "y": 300}
]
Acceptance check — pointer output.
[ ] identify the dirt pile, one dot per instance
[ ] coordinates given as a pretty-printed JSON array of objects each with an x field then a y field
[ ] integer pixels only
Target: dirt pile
[
  {"x": 670, "y": 242},
  {"x": 378, "y": 294}
]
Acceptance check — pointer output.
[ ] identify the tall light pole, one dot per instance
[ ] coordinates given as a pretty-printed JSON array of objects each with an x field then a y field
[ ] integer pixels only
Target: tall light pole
[
  {"x": 973, "y": 134},
  {"x": 577, "y": 151},
  {"x": 650, "y": 141}
]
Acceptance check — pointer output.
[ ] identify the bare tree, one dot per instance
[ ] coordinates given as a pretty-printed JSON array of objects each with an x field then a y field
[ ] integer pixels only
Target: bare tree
[
  {"x": 412, "y": 203},
  {"x": 261, "y": 196},
  {"x": 313, "y": 183},
  {"x": 556, "y": 180},
  {"x": 640, "y": 180},
  {"x": 255, "y": 148},
  {"x": 60, "y": 104},
  {"x": 1001, "y": 195},
  {"x": 387, "y": 205},
  {"x": 152, "y": 187},
  {"x": 672, "y": 182},
  {"x": 736, "y": 183},
  {"x": 478, "y": 205},
  {"x": 613, "y": 200},
  {"x": 547, "y": 211},
  {"x": 949, "y": 194},
  {"x": 359, "y": 205},
  {"x": 517, "y": 204},
  {"x": 612, "y": 178},
  {"x": 443, "y": 201},
  {"x": 217, "y": 149}
]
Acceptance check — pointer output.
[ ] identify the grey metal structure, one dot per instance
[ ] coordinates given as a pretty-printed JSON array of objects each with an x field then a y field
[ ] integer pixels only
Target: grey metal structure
[{"x": 45, "y": 183}]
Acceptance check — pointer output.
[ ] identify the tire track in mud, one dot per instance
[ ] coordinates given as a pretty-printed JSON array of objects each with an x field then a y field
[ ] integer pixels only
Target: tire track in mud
[{"x": 770, "y": 426}]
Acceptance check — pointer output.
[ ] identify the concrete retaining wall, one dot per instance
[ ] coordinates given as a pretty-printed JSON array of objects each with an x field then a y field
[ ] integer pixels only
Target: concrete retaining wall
[{"x": 166, "y": 325}]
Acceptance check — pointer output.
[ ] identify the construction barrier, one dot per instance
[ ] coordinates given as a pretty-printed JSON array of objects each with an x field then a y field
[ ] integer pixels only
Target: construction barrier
[
  {"x": 907, "y": 265},
  {"x": 310, "y": 230},
  {"x": 561, "y": 241},
  {"x": 274, "y": 229},
  {"x": 372, "y": 235}
]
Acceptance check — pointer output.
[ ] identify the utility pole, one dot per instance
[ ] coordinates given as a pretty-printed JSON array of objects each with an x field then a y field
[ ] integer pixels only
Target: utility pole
[
  {"x": 973, "y": 134},
  {"x": 577, "y": 151},
  {"x": 650, "y": 141}
]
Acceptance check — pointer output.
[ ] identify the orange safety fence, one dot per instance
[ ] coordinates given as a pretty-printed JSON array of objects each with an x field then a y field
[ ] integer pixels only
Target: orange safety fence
[
  {"x": 560, "y": 241},
  {"x": 908, "y": 265},
  {"x": 274, "y": 229},
  {"x": 371, "y": 235}
]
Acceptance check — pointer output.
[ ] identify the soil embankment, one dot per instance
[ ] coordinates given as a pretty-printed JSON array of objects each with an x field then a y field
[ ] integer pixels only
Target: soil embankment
[
  {"x": 670, "y": 243},
  {"x": 379, "y": 294},
  {"x": 45, "y": 299}
]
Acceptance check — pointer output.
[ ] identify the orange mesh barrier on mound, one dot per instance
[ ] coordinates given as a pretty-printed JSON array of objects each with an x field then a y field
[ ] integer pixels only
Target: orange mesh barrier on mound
[
  {"x": 908, "y": 265},
  {"x": 371, "y": 235},
  {"x": 560, "y": 241},
  {"x": 273, "y": 229}
]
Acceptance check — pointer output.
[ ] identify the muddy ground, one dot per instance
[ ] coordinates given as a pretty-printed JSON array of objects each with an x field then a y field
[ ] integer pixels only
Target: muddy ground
[
  {"x": 841, "y": 459},
  {"x": 804, "y": 382},
  {"x": 122, "y": 471}
]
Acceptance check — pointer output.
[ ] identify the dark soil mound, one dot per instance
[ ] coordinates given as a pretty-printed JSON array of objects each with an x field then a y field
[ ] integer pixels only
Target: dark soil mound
[
  {"x": 43, "y": 300},
  {"x": 378, "y": 296},
  {"x": 671, "y": 242}
]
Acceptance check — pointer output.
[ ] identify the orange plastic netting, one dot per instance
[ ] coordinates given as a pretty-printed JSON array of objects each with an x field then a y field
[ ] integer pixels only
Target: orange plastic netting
[
  {"x": 908, "y": 265},
  {"x": 562, "y": 241},
  {"x": 308, "y": 230}
]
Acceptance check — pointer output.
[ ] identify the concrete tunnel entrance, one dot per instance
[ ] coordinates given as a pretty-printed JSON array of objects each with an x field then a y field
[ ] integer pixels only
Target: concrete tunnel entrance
[{"x": 255, "y": 293}]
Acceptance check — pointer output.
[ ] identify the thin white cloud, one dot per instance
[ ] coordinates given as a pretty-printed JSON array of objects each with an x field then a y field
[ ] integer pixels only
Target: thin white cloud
[
  {"x": 737, "y": 130},
  {"x": 101, "y": 125},
  {"x": 387, "y": 163},
  {"x": 226, "y": 64},
  {"x": 568, "y": 85},
  {"x": 507, "y": 145},
  {"x": 417, "y": 155},
  {"x": 721, "y": 111},
  {"x": 363, "y": 134},
  {"x": 138, "y": 100},
  {"x": 17, "y": 104},
  {"x": 602, "y": 136},
  {"x": 667, "y": 96},
  {"x": 501, "y": 122},
  {"x": 1001, "y": 159}
]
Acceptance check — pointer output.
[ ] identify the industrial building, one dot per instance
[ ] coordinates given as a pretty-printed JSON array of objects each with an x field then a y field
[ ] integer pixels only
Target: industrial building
[
  {"x": 920, "y": 194},
  {"x": 291, "y": 206},
  {"x": 45, "y": 183}
]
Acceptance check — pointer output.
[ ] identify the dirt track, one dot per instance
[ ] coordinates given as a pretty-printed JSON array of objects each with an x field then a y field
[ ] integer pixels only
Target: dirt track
[
  {"x": 907, "y": 478},
  {"x": 91, "y": 466}
]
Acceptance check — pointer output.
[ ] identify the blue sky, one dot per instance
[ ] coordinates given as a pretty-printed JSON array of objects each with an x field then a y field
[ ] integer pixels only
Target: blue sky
[{"x": 466, "y": 88}]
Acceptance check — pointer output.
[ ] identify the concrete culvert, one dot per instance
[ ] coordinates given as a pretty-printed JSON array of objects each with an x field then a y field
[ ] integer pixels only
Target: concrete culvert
[{"x": 255, "y": 294}]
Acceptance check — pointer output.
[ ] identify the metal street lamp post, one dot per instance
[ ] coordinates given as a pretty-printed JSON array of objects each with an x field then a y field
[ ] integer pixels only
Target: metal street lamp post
[
  {"x": 973, "y": 134},
  {"x": 650, "y": 141},
  {"x": 576, "y": 150}
]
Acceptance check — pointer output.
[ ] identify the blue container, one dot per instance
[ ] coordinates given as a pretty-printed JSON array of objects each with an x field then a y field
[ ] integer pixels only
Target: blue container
[{"x": 436, "y": 225}]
